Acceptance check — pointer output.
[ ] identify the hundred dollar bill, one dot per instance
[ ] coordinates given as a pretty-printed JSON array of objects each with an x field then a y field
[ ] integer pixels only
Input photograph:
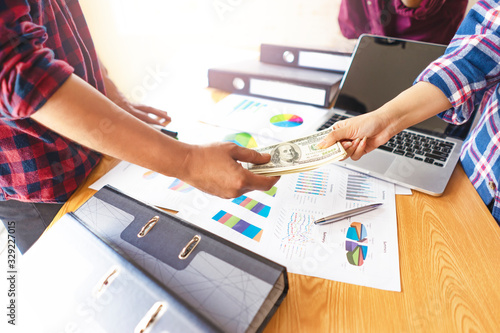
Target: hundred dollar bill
[{"x": 297, "y": 155}]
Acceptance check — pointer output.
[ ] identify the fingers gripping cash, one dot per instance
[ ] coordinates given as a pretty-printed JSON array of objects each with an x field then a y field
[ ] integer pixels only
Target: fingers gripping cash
[{"x": 297, "y": 155}]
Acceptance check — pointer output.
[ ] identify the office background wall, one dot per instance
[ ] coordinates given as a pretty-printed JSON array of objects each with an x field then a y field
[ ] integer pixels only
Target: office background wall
[{"x": 135, "y": 38}]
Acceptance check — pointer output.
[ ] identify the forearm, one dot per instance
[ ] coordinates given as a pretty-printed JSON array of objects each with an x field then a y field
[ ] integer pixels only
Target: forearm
[
  {"x": 418, "y": 103},
  {"x": 82, "y": 114},
  {"x": 363, "y": 134}
]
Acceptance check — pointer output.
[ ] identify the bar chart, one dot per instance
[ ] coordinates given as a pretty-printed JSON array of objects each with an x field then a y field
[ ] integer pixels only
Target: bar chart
[
  {"x": 249, "y": 105},
  {"x": 312, "y": 182},
  {"x": 253, "y": 205},
  {"x": 239, "y": 225},
  {"x": 360, "y": 188}
]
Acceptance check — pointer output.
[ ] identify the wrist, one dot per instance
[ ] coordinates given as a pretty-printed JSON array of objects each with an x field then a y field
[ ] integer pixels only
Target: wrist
[
  {"x": 416, "y": 104},
  {"x": 183, "y": 169},
  {"x": 388, "y": 120}
]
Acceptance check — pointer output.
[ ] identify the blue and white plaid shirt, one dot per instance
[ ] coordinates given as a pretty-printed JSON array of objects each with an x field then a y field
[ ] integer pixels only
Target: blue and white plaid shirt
[{"x": 469, "y": 75}]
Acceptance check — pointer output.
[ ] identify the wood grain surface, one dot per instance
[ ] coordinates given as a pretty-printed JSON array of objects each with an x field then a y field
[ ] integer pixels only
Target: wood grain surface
[
  {"x": 449, "y": 250},
  {"x": 449, "y": 264},
  {"x": 449, "y": 255}
]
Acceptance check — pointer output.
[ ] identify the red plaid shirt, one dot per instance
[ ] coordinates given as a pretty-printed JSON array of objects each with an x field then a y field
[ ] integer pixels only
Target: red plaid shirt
[{"x": 42, "y": 42}]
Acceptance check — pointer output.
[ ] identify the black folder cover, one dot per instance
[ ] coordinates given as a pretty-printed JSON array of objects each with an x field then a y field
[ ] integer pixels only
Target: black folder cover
[
  {"x": 85, "y": 286},
  {"x": 258, "y": 79},
  {"x": 306, "y": 58},
  {"x": 234, "y": 288}
]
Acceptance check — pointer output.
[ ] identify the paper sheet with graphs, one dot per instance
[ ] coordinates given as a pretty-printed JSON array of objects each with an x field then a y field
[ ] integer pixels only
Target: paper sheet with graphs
[{"x": 278, "y": 224}]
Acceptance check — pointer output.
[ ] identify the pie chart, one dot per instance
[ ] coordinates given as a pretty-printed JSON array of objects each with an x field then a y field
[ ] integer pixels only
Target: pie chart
[
  {"x": 286, "y": 120},
  {"x": 241, "y": 139},
  {"x": 356, "y": 244}
]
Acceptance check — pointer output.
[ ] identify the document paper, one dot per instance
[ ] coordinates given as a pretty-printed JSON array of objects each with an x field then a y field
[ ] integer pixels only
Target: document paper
[{"x": 278, "y": 224}]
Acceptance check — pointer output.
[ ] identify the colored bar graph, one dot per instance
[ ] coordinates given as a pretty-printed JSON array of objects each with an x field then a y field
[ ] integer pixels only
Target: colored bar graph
[
  {"x": 253, "y": 205},
  {"x": 359, "y": 188},
  {"x": 312, "y": 182},
  {"x": 272, "y": 191},
  {"x": 239, "y": 225},
  {"x": 248, "y": 105}
]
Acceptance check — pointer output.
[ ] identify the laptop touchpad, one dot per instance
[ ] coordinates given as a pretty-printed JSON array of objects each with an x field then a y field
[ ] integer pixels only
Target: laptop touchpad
[{"x": 375, "y": 161}]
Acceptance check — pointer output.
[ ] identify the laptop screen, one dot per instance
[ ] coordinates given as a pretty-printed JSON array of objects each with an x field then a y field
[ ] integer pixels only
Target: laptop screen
[{"x": 380, "y": 69}]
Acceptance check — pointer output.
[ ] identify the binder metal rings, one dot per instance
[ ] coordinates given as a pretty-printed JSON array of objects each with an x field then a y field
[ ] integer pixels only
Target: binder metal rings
[
  {"x": 146, "y": 323},
  {"x": 186, "y": 251},
  {"x": 148, "y": 226},
  {"x": 106, "y": 280}
]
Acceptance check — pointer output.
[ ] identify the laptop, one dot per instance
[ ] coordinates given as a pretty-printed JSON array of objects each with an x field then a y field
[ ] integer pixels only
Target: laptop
[{"x": 422, "y": 157}]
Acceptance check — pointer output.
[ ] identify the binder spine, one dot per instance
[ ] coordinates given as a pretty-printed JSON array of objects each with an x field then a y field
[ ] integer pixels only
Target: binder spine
[
  {"x": 260, "y": 86},
  {"x": 331, "y": 61},
  {"x": 288, "y": 91}
]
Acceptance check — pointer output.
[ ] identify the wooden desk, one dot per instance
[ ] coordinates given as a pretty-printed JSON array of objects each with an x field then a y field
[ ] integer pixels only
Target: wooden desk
[{"x": 449, "y": 250}]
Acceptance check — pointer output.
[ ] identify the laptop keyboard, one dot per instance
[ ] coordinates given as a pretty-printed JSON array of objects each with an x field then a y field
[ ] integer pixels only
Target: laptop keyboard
[
  {"x": 416, "y": 146},
  {"x": 333, "y": 119}
]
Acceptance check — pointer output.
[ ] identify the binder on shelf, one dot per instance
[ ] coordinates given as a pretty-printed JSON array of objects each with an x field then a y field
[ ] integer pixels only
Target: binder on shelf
[
  {"x": 258, "y": 79},
  {"x": 73, "y": 281},
  {"x": 234, "y": 288},
  {"x": 306, "y": 58}
]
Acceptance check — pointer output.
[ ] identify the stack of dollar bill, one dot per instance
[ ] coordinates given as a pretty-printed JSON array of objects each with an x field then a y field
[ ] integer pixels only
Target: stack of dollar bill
[{"x": 297, "y": 155}]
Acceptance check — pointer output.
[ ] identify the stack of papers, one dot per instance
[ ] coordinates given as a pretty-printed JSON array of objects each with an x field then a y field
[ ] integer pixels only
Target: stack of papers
[{"x": 278, "y": 224}]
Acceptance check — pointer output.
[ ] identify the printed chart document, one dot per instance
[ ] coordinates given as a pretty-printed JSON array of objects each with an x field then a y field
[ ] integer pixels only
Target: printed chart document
[
  {"x": 195, "y": 132},
  {"x": 276, "y": 120},
  {"x": 278, "y": 224}
]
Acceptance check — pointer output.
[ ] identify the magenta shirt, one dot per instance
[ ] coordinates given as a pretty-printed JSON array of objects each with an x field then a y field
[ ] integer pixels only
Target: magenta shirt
[{"x": 433, "y": 21}]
